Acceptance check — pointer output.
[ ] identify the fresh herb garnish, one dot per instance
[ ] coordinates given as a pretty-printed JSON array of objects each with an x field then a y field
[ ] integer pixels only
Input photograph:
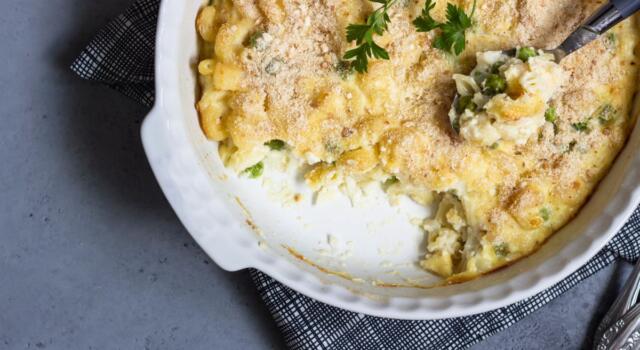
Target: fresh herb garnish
[
  {"x": 425, "y": 23},
  {"x": 452, "y": 39},
  {"x": 363, "y": 34},
  {"x": 255, "y": 171}
]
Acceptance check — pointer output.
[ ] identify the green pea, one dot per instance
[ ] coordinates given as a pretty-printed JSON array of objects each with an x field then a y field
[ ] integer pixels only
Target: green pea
[
  {"x": 551, "y": 115},
  {"x": 494, "y": 85},
  {"x": 495, "y": 68},
  {"x": 526, "y": 52},
  {"x": 276, "y": 145},
  {"x": 255, "y": 171},
  {"x": 391, "y": 181},
  {"x": 466, "y": 102}
]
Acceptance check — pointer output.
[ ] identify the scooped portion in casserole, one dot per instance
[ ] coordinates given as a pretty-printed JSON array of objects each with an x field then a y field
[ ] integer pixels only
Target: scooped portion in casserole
[
  {"x": 360, "y": 93},
  {"x": 505, "y": 98}
]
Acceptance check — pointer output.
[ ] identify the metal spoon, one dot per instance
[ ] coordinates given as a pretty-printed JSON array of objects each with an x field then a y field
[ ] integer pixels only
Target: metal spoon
[
  {"x": 609, "y": 327},
  {"x": 599, "y": 23}
]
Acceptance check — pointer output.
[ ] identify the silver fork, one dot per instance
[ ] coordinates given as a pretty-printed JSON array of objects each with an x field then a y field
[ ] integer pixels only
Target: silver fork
[
  {"x": 613, "y": 323},
  {"x": 628, "y": 337}
]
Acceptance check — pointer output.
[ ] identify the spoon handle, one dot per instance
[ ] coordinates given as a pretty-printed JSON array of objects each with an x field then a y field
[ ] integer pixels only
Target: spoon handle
[
  {"x": 626, "y": 7},
  {"x": 599, "y": 23}
]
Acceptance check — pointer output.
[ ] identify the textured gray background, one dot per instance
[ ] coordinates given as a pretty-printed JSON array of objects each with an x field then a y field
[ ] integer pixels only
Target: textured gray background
[{"x": 91, "y": 255}]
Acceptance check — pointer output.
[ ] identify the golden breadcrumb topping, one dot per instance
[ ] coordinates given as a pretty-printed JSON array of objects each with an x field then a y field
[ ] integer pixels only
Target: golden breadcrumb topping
[{"x": 273, "y": 70}]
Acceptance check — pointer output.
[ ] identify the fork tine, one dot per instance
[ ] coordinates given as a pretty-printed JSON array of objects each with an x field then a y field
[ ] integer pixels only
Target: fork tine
[{"x": 627, "y": 299}]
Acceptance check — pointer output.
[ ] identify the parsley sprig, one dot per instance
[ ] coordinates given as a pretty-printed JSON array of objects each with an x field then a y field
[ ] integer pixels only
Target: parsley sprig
[
  {"x": 452, "y": 38},
  {"x": 363, "y": 34}
]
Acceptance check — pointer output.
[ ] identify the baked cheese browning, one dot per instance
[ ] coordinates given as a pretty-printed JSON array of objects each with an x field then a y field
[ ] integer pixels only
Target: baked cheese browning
[{"x": 272, "y": 70}]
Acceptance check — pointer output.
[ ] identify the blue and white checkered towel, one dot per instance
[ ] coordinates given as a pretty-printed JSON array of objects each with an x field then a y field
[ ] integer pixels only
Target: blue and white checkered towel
[{"x": 121, "y": 56}]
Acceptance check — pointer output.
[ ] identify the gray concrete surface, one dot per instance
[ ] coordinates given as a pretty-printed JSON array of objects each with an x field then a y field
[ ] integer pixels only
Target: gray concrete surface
[{"x": 91, "y": 255}]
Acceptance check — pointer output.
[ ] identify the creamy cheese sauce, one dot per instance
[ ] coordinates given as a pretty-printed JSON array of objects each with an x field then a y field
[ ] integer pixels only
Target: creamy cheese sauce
[
  {"x": 517, "y": 111},
  {"x": 272, "y": 69}
]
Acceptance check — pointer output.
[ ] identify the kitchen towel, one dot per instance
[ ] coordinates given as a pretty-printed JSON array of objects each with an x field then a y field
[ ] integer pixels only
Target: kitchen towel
[{"x": 121, "y": 56}]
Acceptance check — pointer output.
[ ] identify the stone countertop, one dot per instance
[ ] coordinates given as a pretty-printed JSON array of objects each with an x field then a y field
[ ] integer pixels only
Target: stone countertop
[{"x": 91, "y": 255}]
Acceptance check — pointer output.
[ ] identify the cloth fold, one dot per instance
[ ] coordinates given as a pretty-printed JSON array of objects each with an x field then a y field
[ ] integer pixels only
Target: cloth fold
[{"x": 121, "y": 56}]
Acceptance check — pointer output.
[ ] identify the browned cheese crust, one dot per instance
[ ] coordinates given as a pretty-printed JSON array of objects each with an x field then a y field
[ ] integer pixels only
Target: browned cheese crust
[{"x": 287, "y": 85}]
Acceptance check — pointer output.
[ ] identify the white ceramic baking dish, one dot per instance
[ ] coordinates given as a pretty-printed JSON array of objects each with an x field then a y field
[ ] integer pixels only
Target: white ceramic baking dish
[{"x": 361, "y": 259}]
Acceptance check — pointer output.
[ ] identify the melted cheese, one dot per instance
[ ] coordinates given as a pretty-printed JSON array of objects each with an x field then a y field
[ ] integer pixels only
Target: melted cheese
[{"x": 272, "y": 69}]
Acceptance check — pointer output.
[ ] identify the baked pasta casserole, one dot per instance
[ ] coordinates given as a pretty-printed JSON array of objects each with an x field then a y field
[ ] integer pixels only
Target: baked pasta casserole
[{"x": 505, "y": 165}]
